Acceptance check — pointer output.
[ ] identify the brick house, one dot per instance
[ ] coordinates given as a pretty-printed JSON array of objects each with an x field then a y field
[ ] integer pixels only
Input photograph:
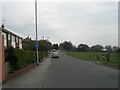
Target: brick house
[
  {"x": 11, "y": 39},
  {"x": 2, "y": 74},
  {"x": 7, "y": 38}
]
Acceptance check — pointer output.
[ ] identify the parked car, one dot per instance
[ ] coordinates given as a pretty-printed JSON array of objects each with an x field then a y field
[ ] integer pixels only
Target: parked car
[{"x": 55, "y": 54}]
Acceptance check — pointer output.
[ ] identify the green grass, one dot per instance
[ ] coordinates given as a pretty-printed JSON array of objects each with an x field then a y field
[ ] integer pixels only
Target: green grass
[{"x": 114, "y": 58}]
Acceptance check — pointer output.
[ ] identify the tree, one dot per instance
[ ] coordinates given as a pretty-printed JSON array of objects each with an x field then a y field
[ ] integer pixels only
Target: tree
[
  {"x": 109, "y": 48},
  {"x": 66, "y": 45},
  {"x": 55, "y": 46},
  {"x": 115, "y": 49},
  {"x": 61, "y": 46},
  {"x": 96, "y": 48},
  {"x": 118, "y": 49},
  {"x": 74, "y": 48},
  {"x": 45, "y": 45},
  {"x": 29, "y": 45},
  {"x": 83, "y": 47}
]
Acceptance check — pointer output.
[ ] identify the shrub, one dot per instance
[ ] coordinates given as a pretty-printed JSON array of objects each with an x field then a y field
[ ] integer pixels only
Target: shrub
[
  {"x": 43, "y": 54},
  {"x": 19, "y": 58}
]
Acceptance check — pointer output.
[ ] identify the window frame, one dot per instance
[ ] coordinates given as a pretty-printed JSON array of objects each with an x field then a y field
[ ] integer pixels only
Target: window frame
[{"x": 9, "y": 38}]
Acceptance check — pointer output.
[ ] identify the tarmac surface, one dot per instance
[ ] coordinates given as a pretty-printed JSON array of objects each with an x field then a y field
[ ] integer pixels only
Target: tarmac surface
[{"x": 69, "y": 72}]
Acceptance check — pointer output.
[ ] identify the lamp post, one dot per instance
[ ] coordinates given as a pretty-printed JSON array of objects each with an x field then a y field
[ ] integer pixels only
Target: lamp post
[{"x": 37, "y": 61}]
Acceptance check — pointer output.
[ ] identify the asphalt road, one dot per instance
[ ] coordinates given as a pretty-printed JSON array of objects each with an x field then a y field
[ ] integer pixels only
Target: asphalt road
[{"x": 68, "y": 72}]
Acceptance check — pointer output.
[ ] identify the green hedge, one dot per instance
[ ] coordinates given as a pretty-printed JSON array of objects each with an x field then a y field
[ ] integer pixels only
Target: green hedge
[
  {"x": 19, "y": 58},
  {"x": 43, "y": 54}
]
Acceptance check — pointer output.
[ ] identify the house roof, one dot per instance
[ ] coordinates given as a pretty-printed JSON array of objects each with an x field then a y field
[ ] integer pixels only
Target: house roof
[{"x": 10, "y": 32}]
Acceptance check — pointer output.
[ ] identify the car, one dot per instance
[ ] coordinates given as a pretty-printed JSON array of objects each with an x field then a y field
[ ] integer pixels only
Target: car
[
  {"x": 54, "y": 50},
  {"x": 55, "y": 54}
]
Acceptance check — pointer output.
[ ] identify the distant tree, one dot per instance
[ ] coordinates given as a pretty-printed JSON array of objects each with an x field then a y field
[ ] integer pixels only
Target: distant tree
[
  {"x": 45, "y": 45},
  {"x": 83, "y": 47},
  {"x": 74, "y": 48},
  {"x": 28, "y": 45},
  {"x": 96, "y": 48},
  {"x": 66, "y": 45},
  {"x": 55, "y": 46},
  {"x": 61, "y": 46},
  {"x": 115, "y": 49},
  {"x": 109, "y": 48},
  {"x": 118, "y": 49}
]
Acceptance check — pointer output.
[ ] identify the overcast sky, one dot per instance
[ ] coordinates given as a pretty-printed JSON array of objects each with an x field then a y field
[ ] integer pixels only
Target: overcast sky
[{"x": 76, "y": 21}]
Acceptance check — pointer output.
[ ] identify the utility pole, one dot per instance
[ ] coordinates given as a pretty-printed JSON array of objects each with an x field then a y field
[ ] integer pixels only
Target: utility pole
[{"x": 37, "y": 61}]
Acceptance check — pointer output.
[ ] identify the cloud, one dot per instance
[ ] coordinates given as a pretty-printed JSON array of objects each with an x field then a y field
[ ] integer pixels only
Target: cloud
[
  {"x": 79, "y": 22},
  {"x": 60, "y": 0},
  {"x": 68, "y": 21},
  {"x": 1, "y": 13}
]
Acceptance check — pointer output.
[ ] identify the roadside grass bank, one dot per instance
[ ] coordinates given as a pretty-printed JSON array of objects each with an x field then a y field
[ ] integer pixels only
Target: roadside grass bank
[{"x": 114, "y": 58}]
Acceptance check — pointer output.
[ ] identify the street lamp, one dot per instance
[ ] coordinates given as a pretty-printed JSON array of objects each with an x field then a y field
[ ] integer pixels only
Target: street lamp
[{"x": 37, "y": 61}]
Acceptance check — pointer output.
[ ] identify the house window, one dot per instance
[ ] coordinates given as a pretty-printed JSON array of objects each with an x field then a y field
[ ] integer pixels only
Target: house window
[
  {"x": 8, "y": 36},
  {"x": 20, "y": 41},
  {"x": 13, "y": 38},
  {"x": 4, "y": 36},
  {"x": 5, "y": 41},
  {"x": 16, "y": 39},
  {"x": 13, "y": 41}
]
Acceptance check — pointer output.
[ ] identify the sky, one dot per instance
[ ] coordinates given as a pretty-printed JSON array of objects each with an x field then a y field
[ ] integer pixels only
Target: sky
[{"x": 89, "y": 22}]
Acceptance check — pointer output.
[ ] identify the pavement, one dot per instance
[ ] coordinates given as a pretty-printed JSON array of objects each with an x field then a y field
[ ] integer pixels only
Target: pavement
[
  {"x": 33, "y": 78},
  {"x": 69, "y": 72}
]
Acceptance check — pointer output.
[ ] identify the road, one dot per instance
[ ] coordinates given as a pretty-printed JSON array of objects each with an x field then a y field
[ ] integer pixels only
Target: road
[{"x": 68, "y": 72}]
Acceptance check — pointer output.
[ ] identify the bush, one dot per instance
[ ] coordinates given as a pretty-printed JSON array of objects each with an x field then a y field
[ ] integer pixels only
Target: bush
[
  {"x": 43, "y": 54},
  {"x": 19, "y": 58}
]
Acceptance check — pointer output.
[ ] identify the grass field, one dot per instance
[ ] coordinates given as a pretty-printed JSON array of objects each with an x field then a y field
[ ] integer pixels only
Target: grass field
[{"x": 114, "y": 58}]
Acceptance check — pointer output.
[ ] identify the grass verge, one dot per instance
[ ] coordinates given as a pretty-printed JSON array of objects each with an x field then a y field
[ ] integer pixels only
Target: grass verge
[{"x": 114, "y": 58}]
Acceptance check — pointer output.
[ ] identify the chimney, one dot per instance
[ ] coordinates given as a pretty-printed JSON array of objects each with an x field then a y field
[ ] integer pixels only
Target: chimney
[{"x": 2, "y": 26}]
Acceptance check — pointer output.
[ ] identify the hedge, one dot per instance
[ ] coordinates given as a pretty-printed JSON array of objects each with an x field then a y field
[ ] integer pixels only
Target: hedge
[{"x": 20, "y": 58}]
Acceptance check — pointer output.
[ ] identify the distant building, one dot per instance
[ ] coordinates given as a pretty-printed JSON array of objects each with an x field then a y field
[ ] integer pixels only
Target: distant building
[
  {"x": 28, "y": 43},
  {"x": 11, "y": 39},
  {"x": 27, "y": 39}
]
